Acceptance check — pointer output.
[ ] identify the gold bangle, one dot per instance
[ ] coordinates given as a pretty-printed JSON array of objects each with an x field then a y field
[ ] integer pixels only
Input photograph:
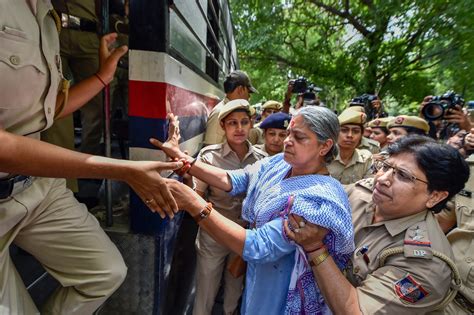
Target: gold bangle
[{"x": 316, "y": 261}]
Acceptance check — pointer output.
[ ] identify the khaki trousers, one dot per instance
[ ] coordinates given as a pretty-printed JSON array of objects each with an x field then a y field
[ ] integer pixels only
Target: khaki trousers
[
  {"x": 48, "y": 222},
  {"x": 211, "y": 260}
]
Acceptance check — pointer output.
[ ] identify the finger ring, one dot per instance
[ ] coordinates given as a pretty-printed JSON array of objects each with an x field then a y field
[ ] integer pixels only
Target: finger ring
[
  {"x": 302, "y": 224},
  {"x": 148, "y": 201},
  {"x": 297, "y": 230}
]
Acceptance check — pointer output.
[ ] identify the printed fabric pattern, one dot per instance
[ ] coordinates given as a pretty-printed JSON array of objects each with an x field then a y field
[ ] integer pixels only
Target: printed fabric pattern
[{"x": 319, "y": 199}]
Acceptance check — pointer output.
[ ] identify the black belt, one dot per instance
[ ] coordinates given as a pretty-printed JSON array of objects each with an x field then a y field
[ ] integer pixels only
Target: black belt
[
  {"x": 6, "y": 185},
  {"x": 77, "y": 23}
]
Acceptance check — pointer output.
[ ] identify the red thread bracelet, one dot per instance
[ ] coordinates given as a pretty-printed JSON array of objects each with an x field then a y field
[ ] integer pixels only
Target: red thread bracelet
[{"x": 100, "y": 79}]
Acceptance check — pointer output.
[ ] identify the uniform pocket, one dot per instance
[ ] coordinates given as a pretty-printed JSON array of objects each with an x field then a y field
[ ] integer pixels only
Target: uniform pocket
[{"x": 23, "y": 73}]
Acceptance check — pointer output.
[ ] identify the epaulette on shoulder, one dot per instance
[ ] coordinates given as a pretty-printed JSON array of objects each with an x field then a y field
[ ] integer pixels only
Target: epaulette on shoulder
[
  {"x": 367, "y": 183},
  {"x": 260, "y": 151},
  {"x": 373, "y": 143},
  {"x": 211, "y": 147},
  {"x": 365, "y": 154},
  {"x": 417, "y": 243}
]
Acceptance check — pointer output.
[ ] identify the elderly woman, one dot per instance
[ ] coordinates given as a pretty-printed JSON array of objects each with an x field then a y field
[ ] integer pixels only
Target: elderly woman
[
  {"x": 403, "y": 261},
  {"x": 279, "y": 279}
]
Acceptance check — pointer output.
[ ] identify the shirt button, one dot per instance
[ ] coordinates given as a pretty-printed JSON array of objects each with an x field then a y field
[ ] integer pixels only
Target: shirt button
[
  {"x": 468, "y": 260},
  {"x": 15, "y": 60},
  {"x": 356, "y": 269},
  {"x": 49, "y": 110}
]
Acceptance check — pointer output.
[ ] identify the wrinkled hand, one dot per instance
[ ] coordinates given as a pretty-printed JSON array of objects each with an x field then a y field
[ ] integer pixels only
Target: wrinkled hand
[
  {"x": 186, "y": 197},
  {"x": 307, "y": 235},
  {"x": 109, "y": 56},
  {"x": 458, "y": 116},
  {"x": 171, "y": 146},
  {"x": 145, "y": 180}
]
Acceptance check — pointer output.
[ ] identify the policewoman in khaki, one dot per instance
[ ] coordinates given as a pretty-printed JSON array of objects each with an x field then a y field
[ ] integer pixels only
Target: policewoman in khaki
[
  {"x": 404, "y": 125},
  {"x": 39, "y": 214},
  {"x": 402, "y": 263},
  {"x": 351, "y": 164},
  {"x": 235, "y": 152}
]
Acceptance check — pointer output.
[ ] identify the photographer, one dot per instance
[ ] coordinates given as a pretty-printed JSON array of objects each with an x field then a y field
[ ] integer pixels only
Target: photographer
[
  {"x": 445, "y": 114},
  {"x": 372, "y": 105},
  {"x": 306, "y": 94}
]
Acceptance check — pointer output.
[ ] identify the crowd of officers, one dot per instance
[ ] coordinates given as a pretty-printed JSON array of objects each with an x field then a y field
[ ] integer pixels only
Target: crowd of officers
[
  {"x": 39, "y": 214},
  {"x": 360, "y": 143}
]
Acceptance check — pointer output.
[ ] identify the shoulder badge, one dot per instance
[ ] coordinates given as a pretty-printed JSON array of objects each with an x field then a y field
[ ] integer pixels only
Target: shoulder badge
[
  {"x": 367, "y": 183},
  {"x": 409, "y": 290},
  {"x": 416, "y": 243}
]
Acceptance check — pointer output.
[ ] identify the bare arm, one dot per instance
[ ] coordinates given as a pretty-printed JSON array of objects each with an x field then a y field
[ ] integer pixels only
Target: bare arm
[
  {"x": 338, "y": 292},
  {"x": 212, "y": 175},
  {"x": 224, "y": 231},
  {"x": 82, "y": 92},
  {"x": 22, "y": 155}
]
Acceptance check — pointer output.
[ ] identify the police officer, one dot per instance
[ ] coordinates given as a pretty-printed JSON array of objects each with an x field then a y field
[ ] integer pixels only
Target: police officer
[
  {"x": 366, "y": 143},
  {"x": 351, "y": 164},
  {"x": 379, "y": 131},
  {"x": 234, "y": 153},
  {"x": 38, "y": 213},
  {"x": 270, "y": 107},
  {"x": 274, "y": 133},
  {"x": 237, "y": 85},
  {"x": 402, "y": 262},
  {"x": 403, "y": 125}
]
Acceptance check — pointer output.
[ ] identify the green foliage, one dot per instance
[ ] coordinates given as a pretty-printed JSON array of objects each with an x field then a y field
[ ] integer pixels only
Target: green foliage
[{"x": 401, "y": 50}]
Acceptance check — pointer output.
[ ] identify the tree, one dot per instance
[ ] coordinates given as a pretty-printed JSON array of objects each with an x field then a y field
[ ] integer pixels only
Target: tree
[{"x": 404, "y": 49}]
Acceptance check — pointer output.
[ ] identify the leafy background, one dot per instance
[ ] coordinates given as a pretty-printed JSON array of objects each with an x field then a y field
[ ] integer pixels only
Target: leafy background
[{"x": 400, "y": 50}]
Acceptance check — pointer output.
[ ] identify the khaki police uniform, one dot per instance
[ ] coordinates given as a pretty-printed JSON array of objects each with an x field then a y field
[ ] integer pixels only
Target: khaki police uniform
[
  {"x": 214, "y": 133},
  {"x": 357, "y": 168},
  {"x": 413, "y": 281},
  {"x": 462, "y": 242},
  {"x": 80, "y": 59},
  {"x": 41, "y": 215},
  {"x": 369, "y": 145},
  {"x": 211, "y": 256}
]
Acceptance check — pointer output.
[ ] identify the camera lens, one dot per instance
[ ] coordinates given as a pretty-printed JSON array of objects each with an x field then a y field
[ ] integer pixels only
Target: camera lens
[{"x": 433, "y": 111}]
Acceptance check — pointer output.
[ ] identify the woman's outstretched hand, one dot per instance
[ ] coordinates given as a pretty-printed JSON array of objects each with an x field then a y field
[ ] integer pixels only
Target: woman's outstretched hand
[{"x": 171, "y": 146}]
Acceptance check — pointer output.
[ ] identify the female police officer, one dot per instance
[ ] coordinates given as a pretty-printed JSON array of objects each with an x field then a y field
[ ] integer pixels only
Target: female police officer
[{"x": 402, "y": 262}]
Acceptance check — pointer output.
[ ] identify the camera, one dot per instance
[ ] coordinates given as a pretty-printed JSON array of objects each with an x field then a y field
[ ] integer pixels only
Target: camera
[
  {"x": 300, "y": 85},
  {"x": 365, "y": 100},
  {"x": 440, "y": 104}
]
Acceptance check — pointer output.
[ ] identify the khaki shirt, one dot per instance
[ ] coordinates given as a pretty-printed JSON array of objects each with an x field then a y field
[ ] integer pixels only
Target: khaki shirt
[
  {"x": 214, "y": 133},
  {"x": 30, "y": 67},
  {"x": 357, "y": 168},
  {"x": 80, "y": 8},
  {"x": 261, "y": 147},
  {"x": 462, "y": 242},
  {"x": 370, "y": 145},
  {"x": 411, "y": 283},
  {"x": 222, "y": 156}
]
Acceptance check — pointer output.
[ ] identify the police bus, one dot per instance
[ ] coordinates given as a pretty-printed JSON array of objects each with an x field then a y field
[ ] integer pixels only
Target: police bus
[{"x": 180, "y": 52}]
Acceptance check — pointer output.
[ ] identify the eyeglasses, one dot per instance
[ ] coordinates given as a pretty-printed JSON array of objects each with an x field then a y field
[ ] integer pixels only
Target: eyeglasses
[{"x": 401, "y": 175}]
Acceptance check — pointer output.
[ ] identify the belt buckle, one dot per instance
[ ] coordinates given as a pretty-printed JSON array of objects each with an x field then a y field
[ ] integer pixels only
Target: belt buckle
[
  {"x": 70, "y": 21},
  {"x": 6, "y": 188}
]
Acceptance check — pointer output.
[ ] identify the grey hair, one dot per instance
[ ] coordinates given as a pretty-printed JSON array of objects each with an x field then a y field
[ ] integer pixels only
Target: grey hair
[{"x": 324, "y": 123}]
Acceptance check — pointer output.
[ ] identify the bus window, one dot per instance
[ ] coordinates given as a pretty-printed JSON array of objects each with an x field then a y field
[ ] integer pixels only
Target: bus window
[{"x": 185, "y": 40}]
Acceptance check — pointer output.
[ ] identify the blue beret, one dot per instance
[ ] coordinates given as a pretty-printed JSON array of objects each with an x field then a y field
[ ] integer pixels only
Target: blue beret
[{"x": 277, "y": 120}]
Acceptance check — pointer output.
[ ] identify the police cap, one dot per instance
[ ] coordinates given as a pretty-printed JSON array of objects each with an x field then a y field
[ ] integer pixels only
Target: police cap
[
  {"x": 234, "y": 105},
  {"x": 276, "y": 120},
  {"x": 351, "y": 116},
  {"x": 409, "y": 121}
]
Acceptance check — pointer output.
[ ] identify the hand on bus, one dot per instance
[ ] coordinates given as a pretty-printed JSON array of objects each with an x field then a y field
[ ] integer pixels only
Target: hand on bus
[
  {"x": 109, "y": 57},
  {"x": 171, "y": 146},
  {"x": 146, "y": 181}
]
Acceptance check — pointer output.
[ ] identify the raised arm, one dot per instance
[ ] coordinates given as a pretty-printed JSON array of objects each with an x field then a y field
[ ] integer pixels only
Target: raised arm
[
  {"x": 80, "y": 93},
  {"x": 212, "y": 175},
  {"x": 22, "y": 155}
]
